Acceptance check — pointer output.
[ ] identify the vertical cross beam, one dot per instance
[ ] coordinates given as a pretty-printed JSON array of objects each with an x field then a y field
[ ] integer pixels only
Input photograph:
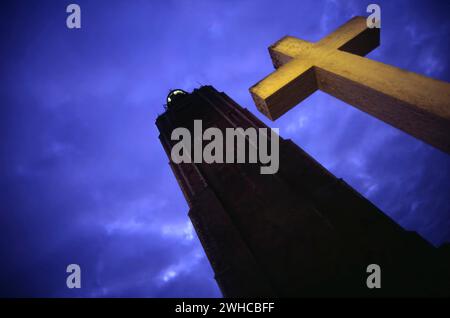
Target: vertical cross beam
[{"x": 416, "y": 104}]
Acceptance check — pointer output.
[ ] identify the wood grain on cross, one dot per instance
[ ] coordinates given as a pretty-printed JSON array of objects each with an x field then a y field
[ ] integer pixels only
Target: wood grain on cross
[{"x": 416, "y": 104}]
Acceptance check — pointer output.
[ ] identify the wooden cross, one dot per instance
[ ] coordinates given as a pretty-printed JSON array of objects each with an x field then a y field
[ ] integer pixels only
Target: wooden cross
[{"x": 416, "y": 104}]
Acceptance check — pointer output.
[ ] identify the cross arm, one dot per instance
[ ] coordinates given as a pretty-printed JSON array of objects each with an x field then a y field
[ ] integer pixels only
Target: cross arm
[
  {"x": 352, "y": 37},
  {"x": 418, "y": 105},
  {"x": 284, "y": 88}
]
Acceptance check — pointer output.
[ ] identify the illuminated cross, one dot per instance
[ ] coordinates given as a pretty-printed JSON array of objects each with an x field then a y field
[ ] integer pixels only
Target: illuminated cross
[{"x": 411, "y": 102}]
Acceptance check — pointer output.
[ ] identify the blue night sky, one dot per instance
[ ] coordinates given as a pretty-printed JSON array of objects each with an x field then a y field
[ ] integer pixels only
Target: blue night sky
[{"x": 84, "y": 179}]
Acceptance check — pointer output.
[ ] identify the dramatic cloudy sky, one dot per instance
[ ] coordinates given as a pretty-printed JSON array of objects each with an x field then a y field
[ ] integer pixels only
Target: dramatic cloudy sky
[{"x": 84, "y": 179}]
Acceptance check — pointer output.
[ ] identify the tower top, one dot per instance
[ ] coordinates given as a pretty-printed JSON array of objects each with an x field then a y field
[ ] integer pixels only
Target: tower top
[{"x": 174, "y": 95}]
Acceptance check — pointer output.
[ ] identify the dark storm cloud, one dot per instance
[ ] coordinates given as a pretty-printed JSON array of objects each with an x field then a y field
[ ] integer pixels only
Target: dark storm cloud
[{"x": 84, "y": 178}]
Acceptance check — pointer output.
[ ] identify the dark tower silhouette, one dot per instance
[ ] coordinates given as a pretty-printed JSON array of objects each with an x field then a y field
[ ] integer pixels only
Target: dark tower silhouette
[{"x": 298, "y": 232}]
